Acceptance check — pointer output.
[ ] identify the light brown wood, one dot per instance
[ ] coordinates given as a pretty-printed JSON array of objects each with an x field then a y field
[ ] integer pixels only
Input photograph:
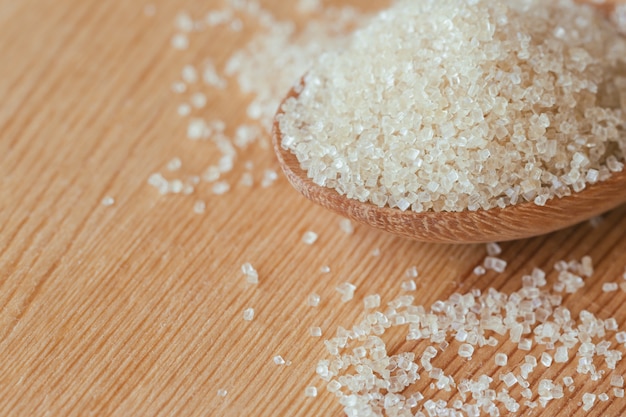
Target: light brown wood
[
  {"x": 520, "y": 221},
  {"x": 137, "y": 309}
]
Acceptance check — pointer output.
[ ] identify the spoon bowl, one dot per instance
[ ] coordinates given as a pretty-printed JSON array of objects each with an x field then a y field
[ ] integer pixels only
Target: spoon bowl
[{"x": 517, "y": 221}]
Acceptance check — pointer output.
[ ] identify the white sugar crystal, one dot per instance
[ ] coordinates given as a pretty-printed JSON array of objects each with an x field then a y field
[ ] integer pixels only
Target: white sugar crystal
[
  {"x": 313, "y": 300},
  {"x": 198, "y": 100},
  {"x": 493, "y": 249},
  {"x": 372, "y": 301},
  {"x": 315, "y": 331},
  {"x": 546, "y": 359},
  {"x": 561, "y": 355},
  {"x": 588, "y": 400},
  {"x": 248, "y": 314},
  {"x": 108, "y": 201},
  {"x": 412, "y": 272},
  {"x": 408, "y": 285},
  {"x": 189, "y": 74},
  {"x": 199, "y": 207},
  {"x": 480, "y": 270},
  {"x": 278, "y": 360},
  {"x": 609, "y": 287},
  {"x": 222, "y": 392},
  {"x": 466, "y": 350},
  {"x": 179, "y": 87},
  {"x": 501, "y": 359},
  {"x": 620, "y": 337},
  {"x": 220, "y": 188},
  {"x": 269, "y": 177},
  {"x": 617, "y": 381},
  {"x": 180, "y": 41},
  {"x": 346, "y": 226},
  {"x": 568, "y": 381},
  {"x": 347, "y": 291},
  {"x": 309, "y": 238},
  {"x": 310, "y": 392},
  {"x": 495, "y": 264},
  {"x": 183, "y": 110},
  {"x": 251, "y": 274},
  {"x": 509, "y": 379},
  {"x": 325, "y": 269},
  {"x": 174, "y": 164},
  {"x": 618, "y": 392}
]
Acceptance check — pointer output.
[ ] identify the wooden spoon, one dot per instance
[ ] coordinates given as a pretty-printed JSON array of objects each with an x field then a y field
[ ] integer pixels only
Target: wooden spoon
[{"x": 494, "y": 225}]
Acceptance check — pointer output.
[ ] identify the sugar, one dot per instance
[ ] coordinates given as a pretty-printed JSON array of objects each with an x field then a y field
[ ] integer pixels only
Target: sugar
[
  {"x": 454, "y": 152},
  {"x": 346, "y": 290},
  {"x": 588, "y": 401},
  {"x": 546, "y": 359},
  {"x": 198, "y": 100},
  {"x": 493, "y": 249},
  {"x": 310, "y": 392},
  {"x": 618, "y": 392},
  {"x": 309, "y": 238},
  {"x": 278, "y": 360},
  {"x": 617, "y": 381},
  {"x": 313, "y": 300},
  {"x": 479, "y": 270},
  {"x": 251, "y": 274},
  {"x": 412, "y": 272},
  {"x": 222, "y": 392},
  {"x": 189, "y": 74},
  {"x": 180, "y": 41},
  {"x": 183, "y": 110},
  {"x": 315, "y": 331},
  {"x": 408, "y": 285},
  {"x": 108, "y": 201},
  {"x": 372, "y": 301},
  {"x": 174, "y": 164},
  {"x": 248, "y": 314},
  {"x": 220, "y": 188},
  {"x": 466, "y": 350},
  {"x": 501, "y": 359},
  {"x": 609, "y": 287},
  {"x": 199, "y": 207},
  {"x": 495, "y": 264},
  {"x": 346, "y": 226}
]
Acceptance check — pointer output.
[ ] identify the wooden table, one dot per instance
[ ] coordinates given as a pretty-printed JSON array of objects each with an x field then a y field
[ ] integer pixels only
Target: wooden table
[{"x": 137, "y": 308}]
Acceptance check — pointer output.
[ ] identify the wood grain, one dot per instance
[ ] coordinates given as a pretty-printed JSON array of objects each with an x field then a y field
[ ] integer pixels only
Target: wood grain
[{"x": 136, "y": 309}]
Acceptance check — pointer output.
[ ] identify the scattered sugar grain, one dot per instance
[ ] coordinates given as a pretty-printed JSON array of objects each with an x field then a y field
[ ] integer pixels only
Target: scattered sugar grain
[
  {"x": 568, "y": 381},
  {"x": 620, "y": 337},
  {"x": 617, "y": 381},
  {"x": 310, "y": 392},
  {"x": 198, "y": 100},
  {"x": 412, "y": 272},
  {"x": 588, "y": 400},
  {"x": 269, "y": 178},
  {"x": 189, "y": 74},
  {"x": 325, "y": 269},
  {"x": 618, "y": 392},
  {"x": 313, "y": 300},
  {"x": 183, "y": 110},
  {"x": 199, "y": 207},
  {"x": 108, "y": 201},
  {"x": 371, "y": 301},
  {"x": 376, "y": 252},
  {"x": 408, "y": 285},
  {"x": 248, "y": 314},
  {"x": 609, "y": 287},
  {"x": 501, "y": 359},
  {"x": 309, "y": 238},
  {"x": 180, "y": 41},
  {"x": 179, "y": 87},
  {"x": 174, "y": 164},
  {"x": 603, "y": 397},
  {"x": 346, "y": 226},
  {"x": 251, "y": 274},
  {"x": 480, "y": 270},
  {"x": 220, "y": 188},
  {"x": 495, "y": 264},
  {"x": 493, "y": 249},
  {"x": 278, "y": 360},
  {"x": 315, "y": 331},
  {"x": 346, "y": 290},
  {"x": 222, "y": 392},
  {"x": 246, "y": 180}
]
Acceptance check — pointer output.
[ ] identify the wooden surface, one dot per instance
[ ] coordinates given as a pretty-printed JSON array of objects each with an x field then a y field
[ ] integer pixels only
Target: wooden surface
[{"x": 136, "y": 309}]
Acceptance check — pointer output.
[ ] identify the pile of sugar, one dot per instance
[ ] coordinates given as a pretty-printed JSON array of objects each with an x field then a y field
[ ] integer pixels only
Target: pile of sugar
[
  {"x": 463, "y": 105},
  {"x": 369, "y": 381},
  {"x": 263, "y": 69}
]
